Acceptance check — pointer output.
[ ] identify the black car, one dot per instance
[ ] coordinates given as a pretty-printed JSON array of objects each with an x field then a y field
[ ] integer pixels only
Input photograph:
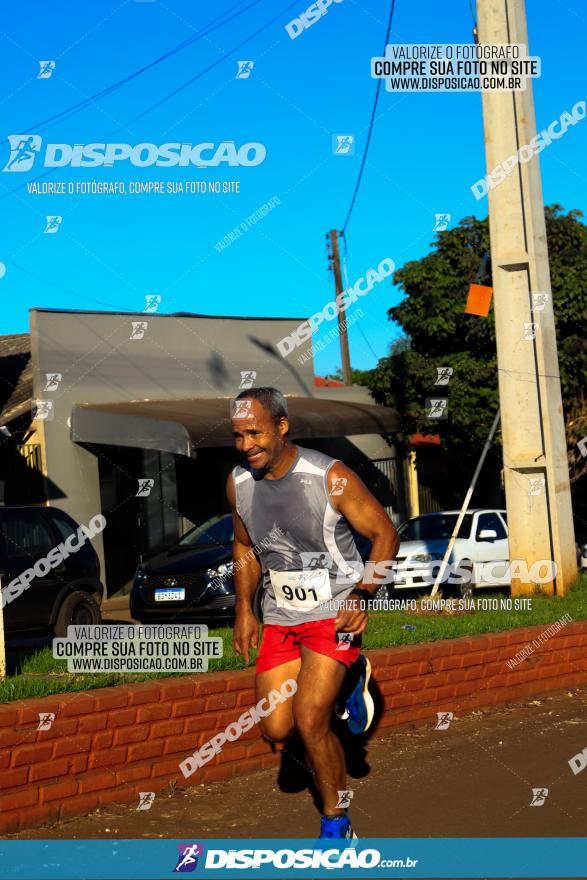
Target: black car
[
  {"x": 70, "y": 592},
  {"x": 192, "y": 580}
]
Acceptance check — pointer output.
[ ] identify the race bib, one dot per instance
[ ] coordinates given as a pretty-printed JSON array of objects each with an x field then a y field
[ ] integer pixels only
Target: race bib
[{"x": 301, "y": 590}]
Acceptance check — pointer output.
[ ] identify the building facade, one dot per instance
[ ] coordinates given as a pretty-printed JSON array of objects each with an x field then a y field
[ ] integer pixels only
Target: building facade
[{"x": 128, "y": 415}]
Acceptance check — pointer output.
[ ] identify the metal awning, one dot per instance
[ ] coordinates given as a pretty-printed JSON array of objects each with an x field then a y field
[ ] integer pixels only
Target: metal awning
[{"x": 186, "y": 425}]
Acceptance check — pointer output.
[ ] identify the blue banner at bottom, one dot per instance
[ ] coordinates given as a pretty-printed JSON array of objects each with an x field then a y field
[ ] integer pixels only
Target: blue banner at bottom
[{"x": 514, "y": 857}]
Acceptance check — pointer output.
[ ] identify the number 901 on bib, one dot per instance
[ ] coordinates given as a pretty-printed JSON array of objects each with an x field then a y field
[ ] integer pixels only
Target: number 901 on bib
[{"x": 301, "y": 590}]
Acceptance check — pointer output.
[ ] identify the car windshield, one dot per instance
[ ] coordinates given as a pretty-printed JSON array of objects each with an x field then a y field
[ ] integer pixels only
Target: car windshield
[
  {"x": 433, "y": 527},
  {"x": 215, "y": 531}
]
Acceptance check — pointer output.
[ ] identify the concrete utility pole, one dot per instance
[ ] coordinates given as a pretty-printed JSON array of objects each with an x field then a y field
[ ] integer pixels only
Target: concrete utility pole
[
  {"x": 534, "y": 448},
  {"x": 334, "y": 258}
]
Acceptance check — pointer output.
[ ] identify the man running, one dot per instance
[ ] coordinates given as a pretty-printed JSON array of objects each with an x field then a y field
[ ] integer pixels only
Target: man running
[{"x": 306, "y": 501}]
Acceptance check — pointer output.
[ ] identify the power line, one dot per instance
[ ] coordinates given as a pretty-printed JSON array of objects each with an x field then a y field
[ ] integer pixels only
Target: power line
[
  {"x": 212, "y": 25},
  {"x": 472, "y": 8},
  {"x": 167, "y": 97},
  {"x": 346, "y": 282},
  {"x": 224, "y": 56},
  {"x": 364, "y": 159},
  {"x": 60, "y": 287}
]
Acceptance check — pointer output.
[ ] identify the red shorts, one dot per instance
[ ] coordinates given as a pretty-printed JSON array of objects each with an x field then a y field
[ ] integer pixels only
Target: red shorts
[{"x": 280, "y": 644}]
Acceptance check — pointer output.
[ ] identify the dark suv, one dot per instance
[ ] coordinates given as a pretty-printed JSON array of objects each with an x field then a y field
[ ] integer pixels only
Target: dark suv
[{"x": 69, "y": 593}]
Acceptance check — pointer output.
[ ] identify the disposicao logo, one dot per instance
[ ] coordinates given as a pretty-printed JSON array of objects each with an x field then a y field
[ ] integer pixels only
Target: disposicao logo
[
  {"x": 24, "y": 149},
  {"x": 187, "y": 860}
]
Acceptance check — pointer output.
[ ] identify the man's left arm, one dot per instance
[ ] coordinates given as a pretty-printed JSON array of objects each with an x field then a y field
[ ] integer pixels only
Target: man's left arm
[{"x": 350, "y": 496}]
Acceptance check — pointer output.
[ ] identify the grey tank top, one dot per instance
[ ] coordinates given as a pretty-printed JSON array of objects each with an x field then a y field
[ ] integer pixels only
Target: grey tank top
[{"x": 306, "y": 549}]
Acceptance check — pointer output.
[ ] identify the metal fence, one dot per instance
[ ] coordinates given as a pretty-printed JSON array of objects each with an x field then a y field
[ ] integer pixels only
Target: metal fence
[
  {"x": 426, "y": 501},
  {"x": 390, "y": 489}
]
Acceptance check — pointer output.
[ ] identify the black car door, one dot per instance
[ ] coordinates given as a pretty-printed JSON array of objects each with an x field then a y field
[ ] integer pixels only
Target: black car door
[
  {"x": 27, "y": 538},
  {"x": 81, "y": 566}
]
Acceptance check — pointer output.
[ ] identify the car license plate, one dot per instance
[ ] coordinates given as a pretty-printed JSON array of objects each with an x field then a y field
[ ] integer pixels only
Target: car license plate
[{"x": 169, "y": 595}]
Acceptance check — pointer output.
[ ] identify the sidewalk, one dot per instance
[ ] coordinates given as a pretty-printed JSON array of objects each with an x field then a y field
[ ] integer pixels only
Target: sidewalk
[
  {"x": 116, "y": 608},
  {"x": 473, "y": 780}
]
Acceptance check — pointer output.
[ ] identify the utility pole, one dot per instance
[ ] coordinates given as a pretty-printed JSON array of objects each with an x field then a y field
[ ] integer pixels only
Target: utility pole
[
  {"x": 536, "y": 471},
  {"x": 334, "y": 261}
]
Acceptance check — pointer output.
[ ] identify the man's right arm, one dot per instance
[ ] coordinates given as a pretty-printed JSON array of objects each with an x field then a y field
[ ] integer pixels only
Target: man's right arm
[{"x": 246, "y": 574}]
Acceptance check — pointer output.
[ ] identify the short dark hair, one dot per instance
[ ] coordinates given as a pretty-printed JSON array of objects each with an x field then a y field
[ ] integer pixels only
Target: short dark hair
[{"x": 270, "y": 399}]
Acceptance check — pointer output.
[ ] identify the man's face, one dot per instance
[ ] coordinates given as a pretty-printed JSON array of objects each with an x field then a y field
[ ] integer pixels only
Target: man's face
[{"x": 256, "y": 435}]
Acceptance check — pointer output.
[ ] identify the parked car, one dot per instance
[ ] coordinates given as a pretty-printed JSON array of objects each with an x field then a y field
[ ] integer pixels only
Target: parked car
[
  {"x": 482, "y": 537},
  {"x": 192, "y": 579},
  {"x": 69, "y": 593},
  {"x": 189, "y": 581}
]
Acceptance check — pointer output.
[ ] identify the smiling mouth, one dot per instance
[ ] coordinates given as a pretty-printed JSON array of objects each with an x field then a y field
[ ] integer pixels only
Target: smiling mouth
[{"x": 256, "y": 455}]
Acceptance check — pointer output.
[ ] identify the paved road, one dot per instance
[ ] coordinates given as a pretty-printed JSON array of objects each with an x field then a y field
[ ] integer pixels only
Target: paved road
[
  {"x": 116, "y": 610},
  {"x": 473, "y": 780}
]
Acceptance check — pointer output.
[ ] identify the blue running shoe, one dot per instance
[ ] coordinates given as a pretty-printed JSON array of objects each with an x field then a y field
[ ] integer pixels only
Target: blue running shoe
[
  {"x": 336, "y": 826},
  {"x": 359, "y": 704}
]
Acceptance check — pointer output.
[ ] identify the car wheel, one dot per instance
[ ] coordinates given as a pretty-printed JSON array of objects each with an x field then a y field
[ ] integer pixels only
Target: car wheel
[
  {"x": 77, "y": 609},
  {"x": 465, "y": 587}
]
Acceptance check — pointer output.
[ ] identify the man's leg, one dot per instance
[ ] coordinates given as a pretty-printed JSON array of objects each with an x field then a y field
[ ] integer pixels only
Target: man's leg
[
  {"x": 279, "y": 724},
  {"x": 319, "y": 681}
]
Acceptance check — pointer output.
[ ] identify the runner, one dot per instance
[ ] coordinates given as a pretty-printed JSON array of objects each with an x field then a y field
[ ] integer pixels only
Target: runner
[{"x": 304, "y": 500}]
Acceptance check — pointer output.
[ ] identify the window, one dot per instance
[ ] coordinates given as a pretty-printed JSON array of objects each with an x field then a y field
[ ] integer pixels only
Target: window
[
  {"x": 63, "y": 524},
  {"x": 490, "y": 521},
  {"x": 435, "y": 526},
  {"x": 26, "y": 535},
  {"x": 216, "y": 531}
]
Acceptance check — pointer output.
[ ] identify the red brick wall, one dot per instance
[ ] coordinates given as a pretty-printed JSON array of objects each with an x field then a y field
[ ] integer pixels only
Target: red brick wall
[{"x": 107, "y": 745}]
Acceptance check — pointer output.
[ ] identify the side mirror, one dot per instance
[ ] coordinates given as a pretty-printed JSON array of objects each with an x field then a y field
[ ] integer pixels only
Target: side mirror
[{"x": 487, "y": 535}]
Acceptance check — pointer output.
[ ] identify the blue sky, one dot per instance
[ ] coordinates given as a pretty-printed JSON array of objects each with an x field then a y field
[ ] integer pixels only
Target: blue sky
[{"x": 112, "y": 250}]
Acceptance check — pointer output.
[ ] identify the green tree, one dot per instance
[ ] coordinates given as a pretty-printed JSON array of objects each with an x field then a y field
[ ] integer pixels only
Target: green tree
[
  {"x": 358, "y": 377},
  {"x": 437, "y": 333}
]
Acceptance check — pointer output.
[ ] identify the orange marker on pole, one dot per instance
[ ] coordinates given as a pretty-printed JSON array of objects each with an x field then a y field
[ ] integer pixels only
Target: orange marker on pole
[
  {"x": 479, "y": 300},
  {"x": 479, "y": 297}
]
